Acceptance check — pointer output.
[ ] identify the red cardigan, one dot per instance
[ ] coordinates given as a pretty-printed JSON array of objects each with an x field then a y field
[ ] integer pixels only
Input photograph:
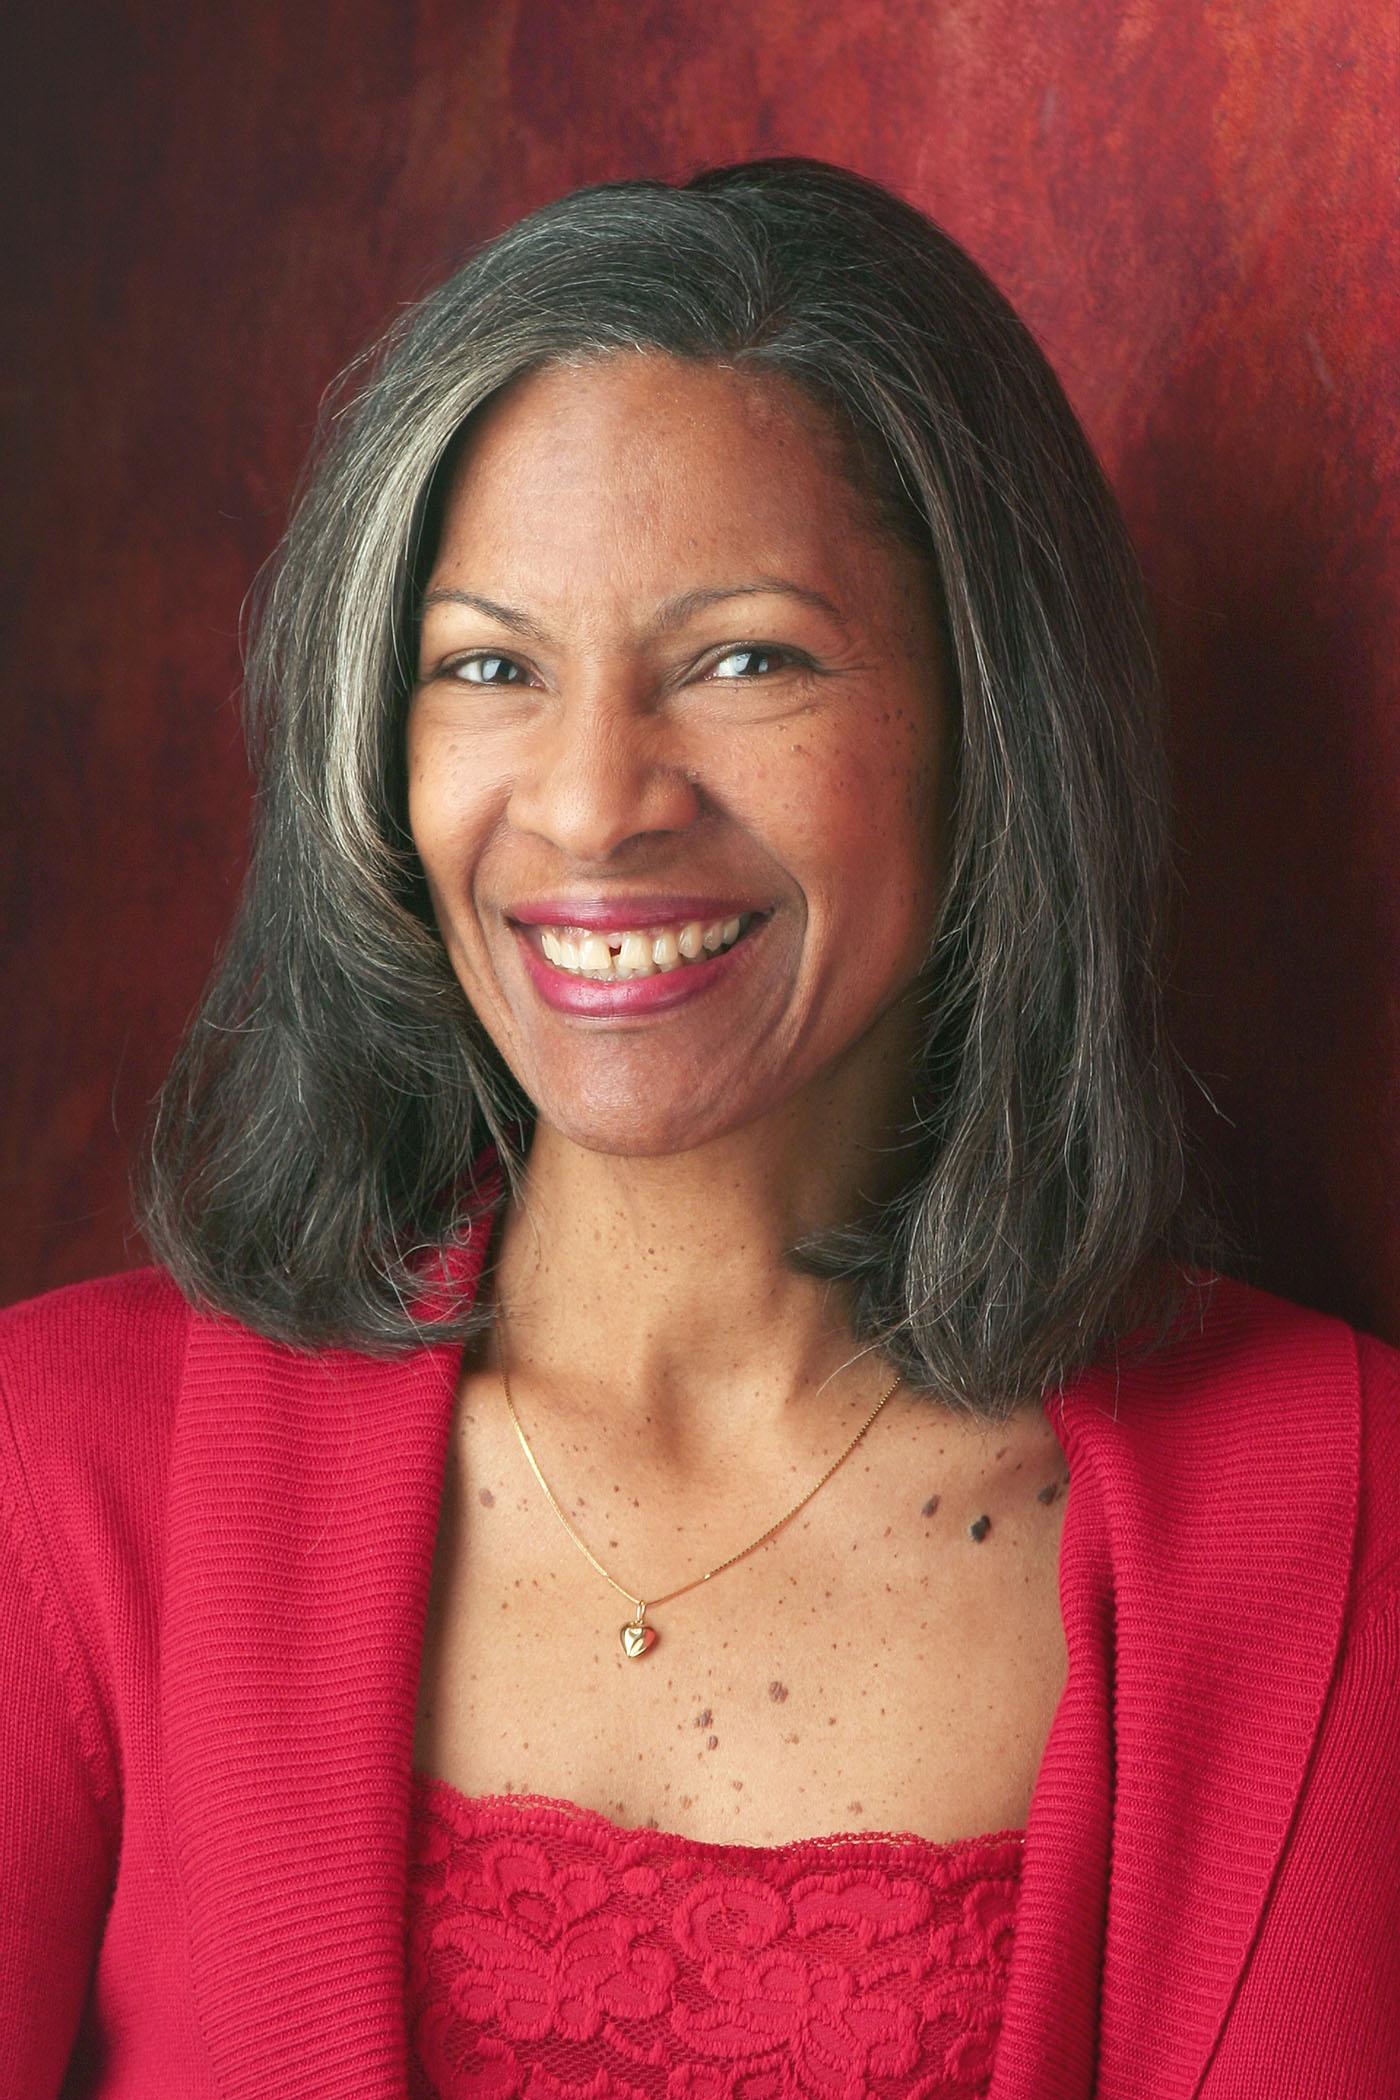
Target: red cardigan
[{"x": 214, "y": 1565}]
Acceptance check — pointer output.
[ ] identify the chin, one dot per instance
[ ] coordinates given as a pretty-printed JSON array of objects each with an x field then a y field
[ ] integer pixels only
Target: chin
[
  {"x": 624, "y": 1142},
  {"x": 616, "y": 1131}
]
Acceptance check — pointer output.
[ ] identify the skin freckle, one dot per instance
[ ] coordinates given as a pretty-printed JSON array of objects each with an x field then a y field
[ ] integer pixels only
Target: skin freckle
[
  {"x": 712, "y": 1743},
  {"x": 777, "y": 1692},
  {"x": 486, "y": 1498},
  {"x": 930, "y": 1508}
]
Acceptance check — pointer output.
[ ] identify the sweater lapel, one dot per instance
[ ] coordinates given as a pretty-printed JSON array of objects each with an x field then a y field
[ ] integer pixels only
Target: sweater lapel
[
  {"x": 304, "y": 1505},
  {"x": 1205, "y": 1568}
]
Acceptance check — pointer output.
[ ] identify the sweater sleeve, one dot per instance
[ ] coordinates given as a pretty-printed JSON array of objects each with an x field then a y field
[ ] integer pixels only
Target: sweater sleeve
[
  {"x": 1318, "y": 2007},
  {"x": 57, "y": 1843}
]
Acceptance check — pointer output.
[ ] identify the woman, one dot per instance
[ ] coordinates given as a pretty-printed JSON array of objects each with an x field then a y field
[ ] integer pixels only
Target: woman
[{"x": 680, "y": 1514}]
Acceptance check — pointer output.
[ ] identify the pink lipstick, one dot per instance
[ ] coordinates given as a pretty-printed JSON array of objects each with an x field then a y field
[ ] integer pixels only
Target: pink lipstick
[{"x": 568, "y": 992}]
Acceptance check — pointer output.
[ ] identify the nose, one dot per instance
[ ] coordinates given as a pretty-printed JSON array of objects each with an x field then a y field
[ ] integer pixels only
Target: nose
[{"x": 597, "y": 775}]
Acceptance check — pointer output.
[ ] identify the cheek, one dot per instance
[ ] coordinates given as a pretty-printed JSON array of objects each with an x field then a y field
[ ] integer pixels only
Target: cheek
[
  {"x": 865, "y": 813},
  {"x": 423, "y": 798},
  {"x": 446, "y": 809}
]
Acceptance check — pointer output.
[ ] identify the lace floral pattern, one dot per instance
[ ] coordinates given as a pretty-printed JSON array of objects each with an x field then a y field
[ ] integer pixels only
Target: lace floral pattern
[{"x": 554, "y": 1955}]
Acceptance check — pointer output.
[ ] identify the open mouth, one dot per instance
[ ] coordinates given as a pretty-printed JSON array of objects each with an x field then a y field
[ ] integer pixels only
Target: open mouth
[{"x": 647, "y": 951}]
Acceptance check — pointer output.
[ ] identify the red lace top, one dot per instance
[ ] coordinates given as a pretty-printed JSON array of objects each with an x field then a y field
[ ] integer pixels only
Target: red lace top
[{"x": 554, "y": 1955}]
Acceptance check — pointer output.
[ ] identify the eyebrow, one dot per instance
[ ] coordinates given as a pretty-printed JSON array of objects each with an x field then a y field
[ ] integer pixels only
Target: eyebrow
[{"x": 672, "y": 614}]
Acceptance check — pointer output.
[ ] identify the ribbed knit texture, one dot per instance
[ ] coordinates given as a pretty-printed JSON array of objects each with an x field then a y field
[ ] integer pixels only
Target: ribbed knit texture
[{"x": 215, "y": 1556}]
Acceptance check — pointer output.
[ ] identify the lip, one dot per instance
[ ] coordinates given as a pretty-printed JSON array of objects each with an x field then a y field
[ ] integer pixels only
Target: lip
[
  {"x": 634, "y": 997},
  {"x": 603, "y": 913}
]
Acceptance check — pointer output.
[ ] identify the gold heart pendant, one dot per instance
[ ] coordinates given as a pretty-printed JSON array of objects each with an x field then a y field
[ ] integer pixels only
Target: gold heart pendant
[{"x": 636, "y": 1639}]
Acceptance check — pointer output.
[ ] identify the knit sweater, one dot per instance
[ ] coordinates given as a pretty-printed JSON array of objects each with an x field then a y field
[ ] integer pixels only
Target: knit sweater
[{"x": 215, "y": 1556}]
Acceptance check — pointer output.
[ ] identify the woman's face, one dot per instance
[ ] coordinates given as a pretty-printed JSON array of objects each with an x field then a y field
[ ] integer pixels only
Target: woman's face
[{"x": 673, "y": 675}]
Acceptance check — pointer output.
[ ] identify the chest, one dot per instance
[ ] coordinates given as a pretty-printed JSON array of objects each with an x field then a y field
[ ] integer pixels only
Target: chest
[{"x": 890, "y": 1661}]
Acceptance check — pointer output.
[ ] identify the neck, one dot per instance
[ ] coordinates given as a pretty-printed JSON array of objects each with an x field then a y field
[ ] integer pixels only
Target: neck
[{"x": 659, "y": 1287}]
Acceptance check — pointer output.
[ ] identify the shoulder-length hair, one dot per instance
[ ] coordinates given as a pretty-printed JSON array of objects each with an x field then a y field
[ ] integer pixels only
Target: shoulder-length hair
[{"x": 317, "y": 1130}]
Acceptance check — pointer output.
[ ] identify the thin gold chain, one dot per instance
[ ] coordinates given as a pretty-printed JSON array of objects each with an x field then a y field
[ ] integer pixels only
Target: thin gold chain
[{"x": 641, "y": 1604}]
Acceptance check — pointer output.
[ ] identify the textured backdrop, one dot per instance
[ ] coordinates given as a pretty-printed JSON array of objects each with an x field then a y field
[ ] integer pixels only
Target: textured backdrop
[{"x": 1193, "y": 207}]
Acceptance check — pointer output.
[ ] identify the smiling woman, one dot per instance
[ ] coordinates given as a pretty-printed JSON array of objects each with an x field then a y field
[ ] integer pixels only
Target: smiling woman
[
  {"x": 706, "y": 820},
  {"x": 682, "y": 1127},
  {"x": 626, "y": 406}
]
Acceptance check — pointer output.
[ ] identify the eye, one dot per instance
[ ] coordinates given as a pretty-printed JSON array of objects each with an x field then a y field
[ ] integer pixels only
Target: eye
[
  {"x": 486, "y": 670},
  {"x": 758, "y": 660}
]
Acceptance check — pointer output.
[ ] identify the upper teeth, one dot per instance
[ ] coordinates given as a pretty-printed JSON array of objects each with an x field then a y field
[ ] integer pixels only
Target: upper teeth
[{"x": 639, "y": 954}]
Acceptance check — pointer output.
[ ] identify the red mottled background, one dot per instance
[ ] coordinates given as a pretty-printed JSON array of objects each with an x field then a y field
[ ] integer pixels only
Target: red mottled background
[{"x": 1193, "y": 206}]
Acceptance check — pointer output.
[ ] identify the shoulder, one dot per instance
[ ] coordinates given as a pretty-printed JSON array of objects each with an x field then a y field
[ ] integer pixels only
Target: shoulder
[
  {"x": 1248, "y": 1338},
  {"x": 1233, "y": 1351},
  {"x": 130, "y": 1306},
  {"x": 117, "y": 1339},
  {"x": 1330, "y": 1375},
  {"x": 89, "y": 1384},
  {"x": 1339, "y": 1387},
  {"x": 1252, "y": 1389}
]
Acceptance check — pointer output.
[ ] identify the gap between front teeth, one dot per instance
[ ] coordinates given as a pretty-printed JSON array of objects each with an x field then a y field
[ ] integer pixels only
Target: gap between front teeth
[{"x": 640, "y": 954}]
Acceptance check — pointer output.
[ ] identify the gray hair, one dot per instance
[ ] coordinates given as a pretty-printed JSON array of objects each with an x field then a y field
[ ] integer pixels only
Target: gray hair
[{"x": 317, "y": 1130}]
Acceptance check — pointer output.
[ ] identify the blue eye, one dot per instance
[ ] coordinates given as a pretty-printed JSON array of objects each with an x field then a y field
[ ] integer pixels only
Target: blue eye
[
  {"x": 484, "y": 670},
  {"x": 760, "y": 662}
]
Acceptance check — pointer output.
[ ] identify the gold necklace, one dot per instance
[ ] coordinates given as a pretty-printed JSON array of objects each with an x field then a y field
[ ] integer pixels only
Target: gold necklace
[{"x": 637, "y": 1636}]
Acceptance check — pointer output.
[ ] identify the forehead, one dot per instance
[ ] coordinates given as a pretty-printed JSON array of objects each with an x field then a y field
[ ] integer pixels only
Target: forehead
[
  {"x": 639, "y": 408},
  {"x": 639, "y": 459}
]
